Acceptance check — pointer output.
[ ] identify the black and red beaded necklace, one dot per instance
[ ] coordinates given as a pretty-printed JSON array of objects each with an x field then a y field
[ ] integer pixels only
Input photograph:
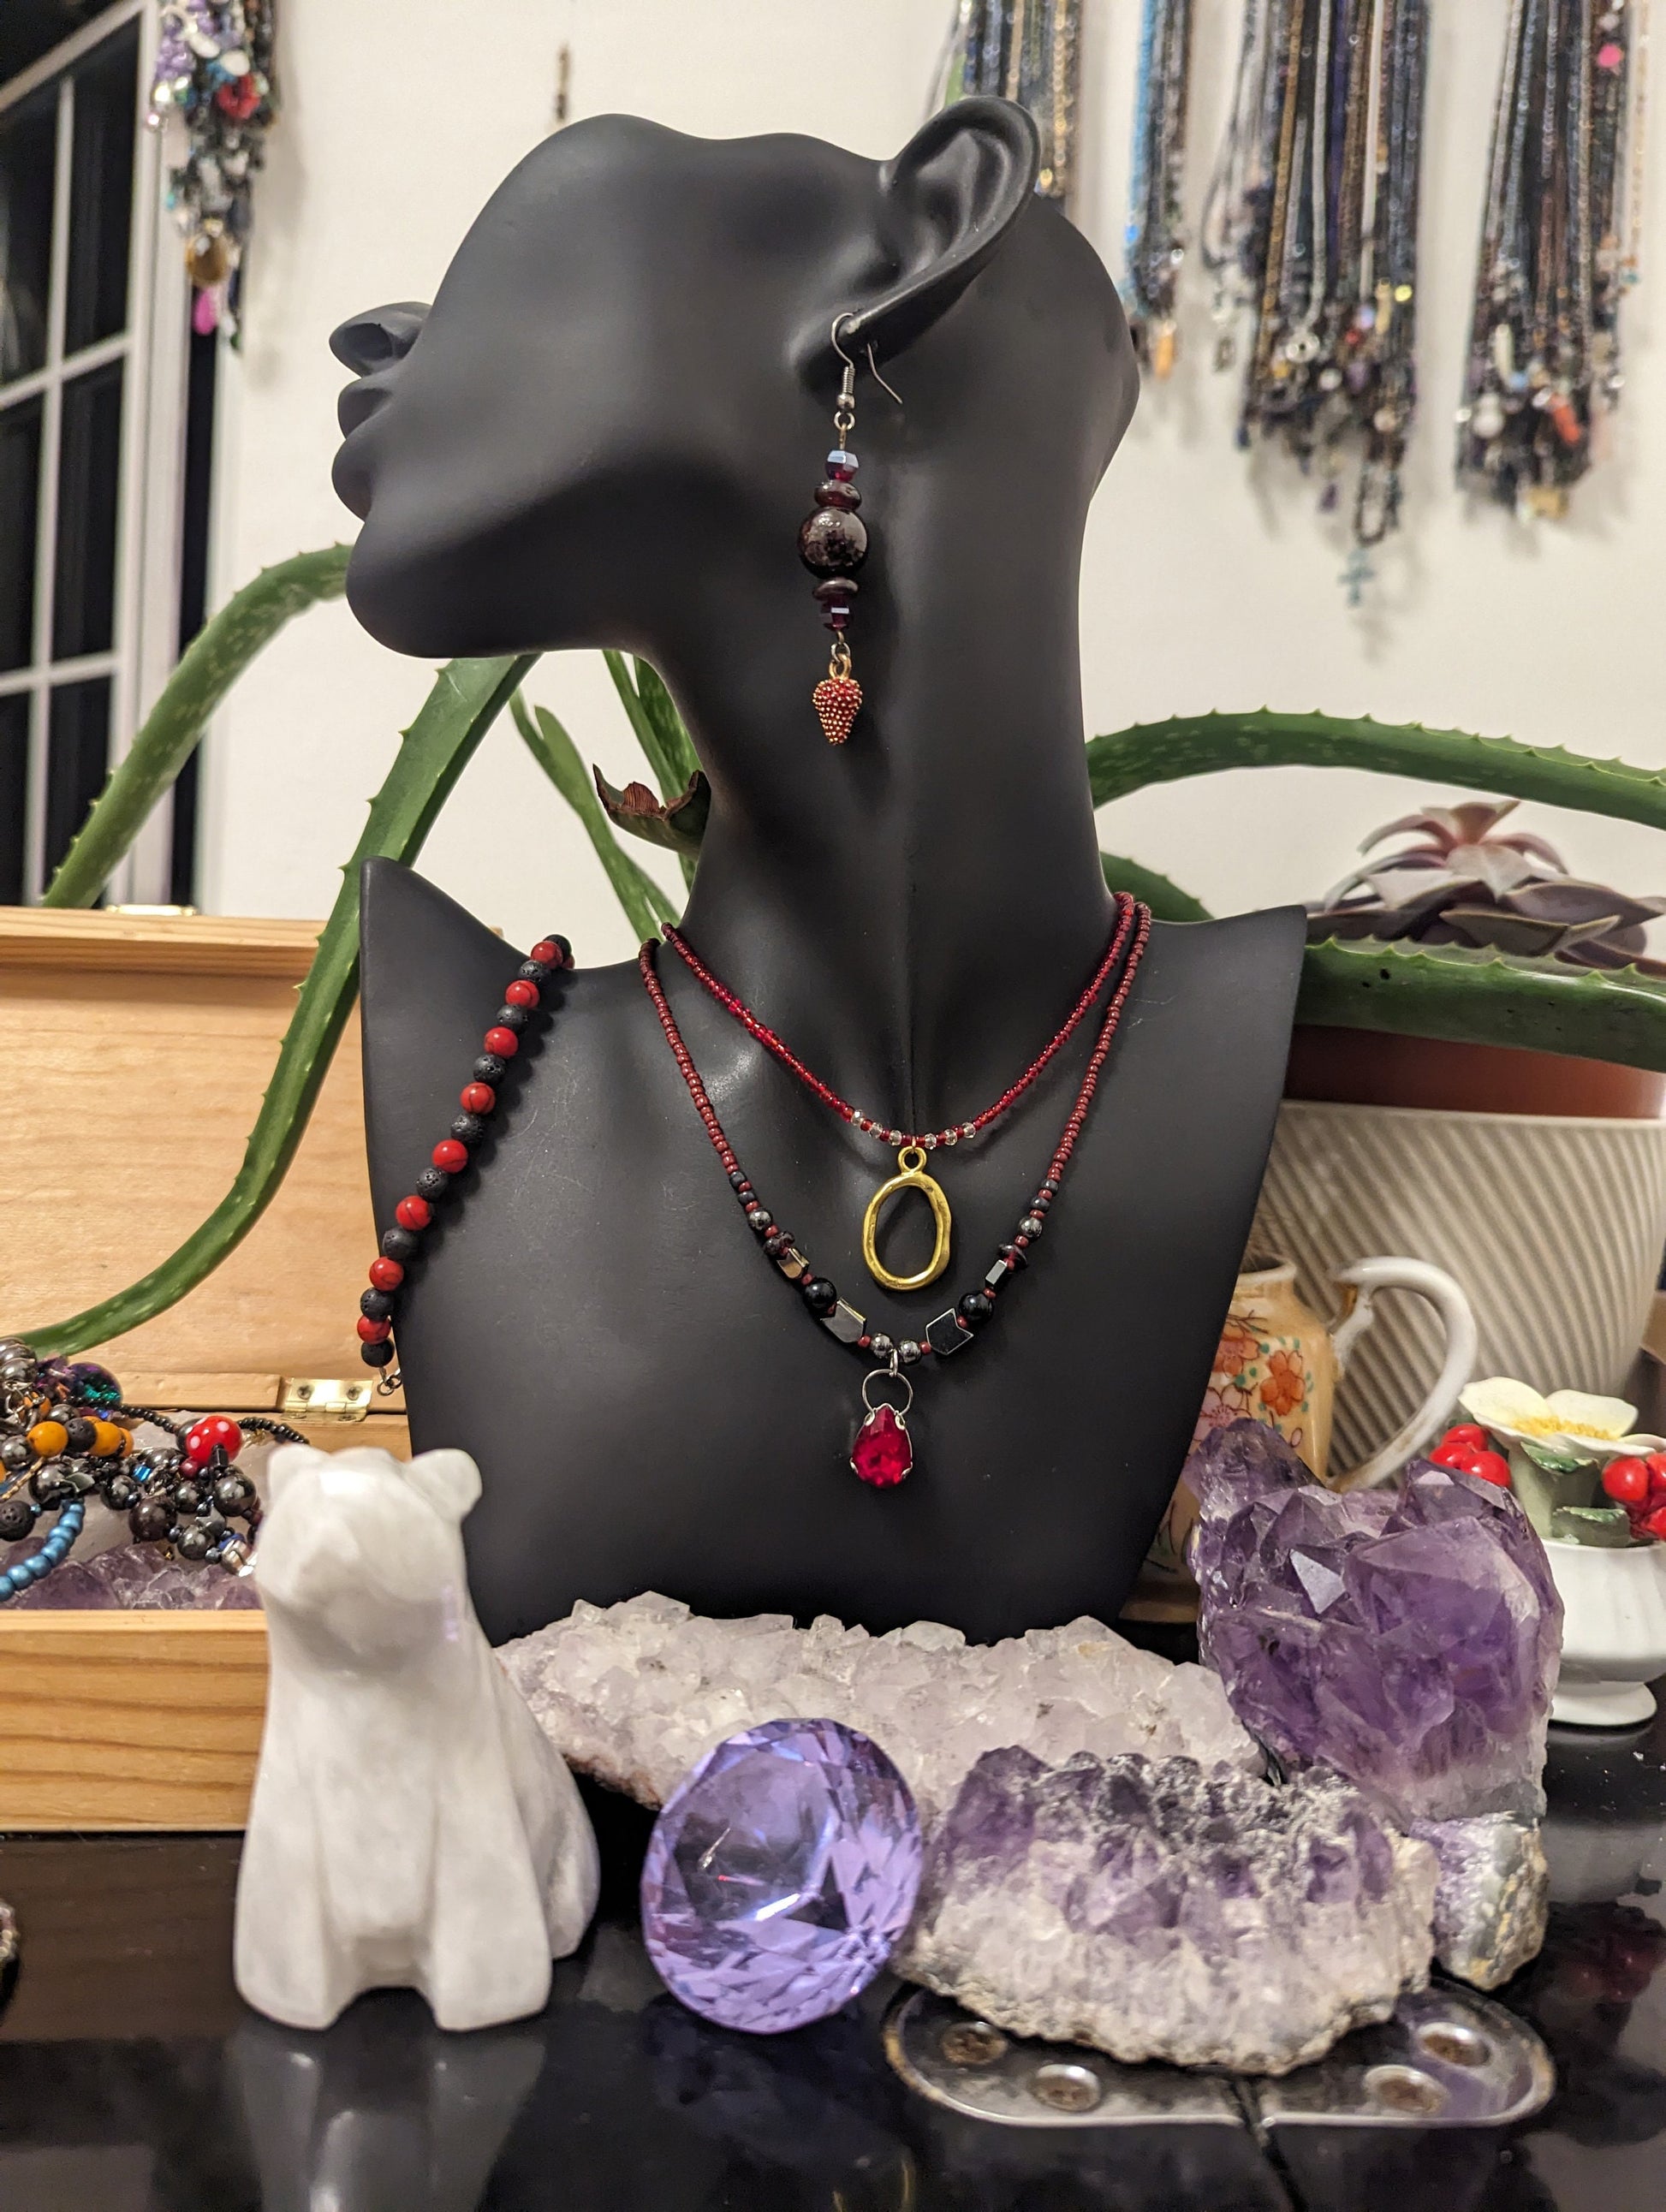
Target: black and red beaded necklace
[{"x": 882, "y": 1452}]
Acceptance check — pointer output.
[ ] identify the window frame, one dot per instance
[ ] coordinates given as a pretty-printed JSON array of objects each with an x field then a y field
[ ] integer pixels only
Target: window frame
[{"x": 153, "y": 349}]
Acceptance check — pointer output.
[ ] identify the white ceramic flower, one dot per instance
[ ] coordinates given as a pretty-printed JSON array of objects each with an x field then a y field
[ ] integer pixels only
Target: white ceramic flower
[{"x": 1568, "y": 1422}]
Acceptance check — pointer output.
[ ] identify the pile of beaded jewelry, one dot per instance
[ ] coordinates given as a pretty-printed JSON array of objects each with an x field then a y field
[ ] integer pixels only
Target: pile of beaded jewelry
[
  {"x": 66, "y": 1436},
  {"x": 478, "y": 1100},
  {"x": 882, "y": 1451}
]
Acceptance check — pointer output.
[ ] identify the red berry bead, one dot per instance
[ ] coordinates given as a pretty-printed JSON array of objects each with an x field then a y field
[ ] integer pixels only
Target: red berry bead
[
  {"x": 520, "y": 993},
  {"x": 388, "y": 1274},
  {"x": 1653, "y": 1524},
  {"x": 1491, "y": 1467},
  {"x": 504, "y": 1042},
  {"x": 1470, "y": 1433},
  {"x": 414, "y": 1213},
  {"x": 1656, "y": 1463},
  {"x": 477, "y": 1097},
  {"x": 1458, "y": 1455},
  {"x": 374, "y": 1332},
  {"x": 547, "y": 950},
  {"x": 1627, "y": 1481},
  {"x": 213, "y": 1430},
  {"x": 451, "y": 1156}
]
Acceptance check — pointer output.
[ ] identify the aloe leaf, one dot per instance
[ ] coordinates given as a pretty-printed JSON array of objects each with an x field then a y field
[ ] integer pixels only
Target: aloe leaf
[
  {"x": 1485, "y": 997},
  {"x": 663, "y": 757},
  {"x": 211, "y": 665},
  {"x": 1166, "y": 900},
  {"x": 1198, "y": 744},
  {"x": 645, "y": 904},
  {"x": 661, "y": 710},
  {"x": 458, "y": 712}
]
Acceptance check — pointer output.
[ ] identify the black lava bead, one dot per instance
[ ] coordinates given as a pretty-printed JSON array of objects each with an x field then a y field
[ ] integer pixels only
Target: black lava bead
[
  {"x": 150, "y": 1520},
  {"x": 511, "y": 1017},
  {"x": 489, "y": 1068},
  {"x": 532, "y": 971},
  {"x": 833, "y": 542},
  {"x": 17, "y": 1517},
  {"x": 398, "y": 1244},
  {"x": 820, "y": 1295},
  {"x": 435, "y": 1183},
  {"x": 468, "y": 1128},
  {"x": 79, "y": 1432},
  {"x": 376, "y": 1305},
  {"x": 376, "y": 1355},
  {"x": 975, "y": 1309}
]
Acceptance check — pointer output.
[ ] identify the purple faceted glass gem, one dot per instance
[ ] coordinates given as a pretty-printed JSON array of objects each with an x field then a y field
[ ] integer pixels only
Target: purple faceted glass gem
[
  {"x": 1408, "y": 1637},
  {"x": 780, "y": 1875}
]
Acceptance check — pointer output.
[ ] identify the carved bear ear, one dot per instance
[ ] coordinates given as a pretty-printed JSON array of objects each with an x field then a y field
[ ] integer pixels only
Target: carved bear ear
[
  {"x": 449, "y": 1480},
  {"x": 284, "y": 1465}
]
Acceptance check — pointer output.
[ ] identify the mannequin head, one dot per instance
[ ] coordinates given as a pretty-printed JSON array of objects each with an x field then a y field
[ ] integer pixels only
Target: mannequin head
[{"x": 612, "y": 421}]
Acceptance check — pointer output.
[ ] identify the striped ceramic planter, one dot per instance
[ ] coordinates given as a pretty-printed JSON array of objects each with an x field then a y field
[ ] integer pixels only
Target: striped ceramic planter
[{"x": 1554, "y": 1226}]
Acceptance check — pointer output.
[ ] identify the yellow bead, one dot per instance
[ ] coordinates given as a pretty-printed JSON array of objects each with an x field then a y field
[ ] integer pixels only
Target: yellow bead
[
  {"x": 109, "y": 1439},
  {"x": 48, "y": 1438}
]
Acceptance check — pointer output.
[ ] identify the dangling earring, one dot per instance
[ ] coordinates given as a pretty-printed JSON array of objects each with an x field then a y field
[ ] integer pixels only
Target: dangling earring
[{"x": 833, "y": 545}]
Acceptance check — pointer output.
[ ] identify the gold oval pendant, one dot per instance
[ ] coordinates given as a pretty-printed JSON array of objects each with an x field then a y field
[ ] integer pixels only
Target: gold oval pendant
[{"x": 910, "y": 1175}]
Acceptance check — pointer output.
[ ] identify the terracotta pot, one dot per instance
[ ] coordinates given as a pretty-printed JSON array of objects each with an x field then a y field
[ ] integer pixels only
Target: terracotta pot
[{"x": 1369, "y": 1068}]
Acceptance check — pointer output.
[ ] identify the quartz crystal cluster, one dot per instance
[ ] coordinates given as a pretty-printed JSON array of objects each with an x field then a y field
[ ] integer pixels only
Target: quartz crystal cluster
[
  {"x": 1408, "y": 1637},
  {"x": 1155, "y": 1910},
  {"x": 635, "y": 1693}
]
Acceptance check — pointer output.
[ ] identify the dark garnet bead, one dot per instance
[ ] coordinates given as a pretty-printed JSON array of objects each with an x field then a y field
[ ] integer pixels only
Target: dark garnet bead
[
  {"x": 376, "y": 1305},
  {"x": 532, "y": 971},
  {"x": 150, "y": 1520},
  {"x": 838, "y": 491},
  {"x": 376, "y": 1355},
  {"x": 17, "y": 1517},
  {"x": 975, "y": 1309},
  {"x": 820, "y": 1295},
  {"x": 833, "y": 543},
  {"x": 1014, "y": 1254},
  {"x": 468, "y": 1128},
  {"x": 433, "y": 1182},
  {"x": 489, "y": 1068},
  {"x": 398, "y": 1244},
  {"x": 512, "y": 1018},
  {"x": 777, "y": 1242},
  {"x": 836, "y": 591},
  {"x": 118, "y": 1491},
  {"x": 837, "y": 619}
]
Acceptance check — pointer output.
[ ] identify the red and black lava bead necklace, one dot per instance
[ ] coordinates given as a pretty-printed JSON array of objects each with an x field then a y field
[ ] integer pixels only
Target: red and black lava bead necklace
[{"x": 882, "y": 1451}]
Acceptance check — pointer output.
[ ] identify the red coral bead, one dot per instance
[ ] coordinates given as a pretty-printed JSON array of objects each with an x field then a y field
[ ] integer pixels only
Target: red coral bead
[
  {"x": 478, "y": 1098},
  {"x": 451, "y": 1156},
  {"x": 520, "y": 993},
  {"x": 504, "y": 1042},
  {"x": 388, "y": 1274},
  {"x": 547, "y": 950},
  {"x": 414, "y": 1213},
  {"x": 374, "y": 1332}
]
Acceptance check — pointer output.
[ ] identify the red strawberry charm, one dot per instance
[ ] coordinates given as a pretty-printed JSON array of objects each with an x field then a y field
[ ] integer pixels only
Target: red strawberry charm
[{"x": 837, "y": 699}]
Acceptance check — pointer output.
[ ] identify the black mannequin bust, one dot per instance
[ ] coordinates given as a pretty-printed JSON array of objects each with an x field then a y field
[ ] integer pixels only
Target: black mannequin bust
[{"x": 607, "y": 431}]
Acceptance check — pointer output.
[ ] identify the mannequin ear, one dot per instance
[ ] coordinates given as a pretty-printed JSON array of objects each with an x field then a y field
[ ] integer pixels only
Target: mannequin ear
[
  {"x": 449, "y": 1480},
  {"x": 946, "y": 202}
]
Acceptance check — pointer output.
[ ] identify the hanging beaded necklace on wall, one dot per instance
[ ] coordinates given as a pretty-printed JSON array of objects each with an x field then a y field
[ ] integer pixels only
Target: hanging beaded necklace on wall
[
  {"x": 1156, "y": 226},
  {"x": 882, "y": 1452}
]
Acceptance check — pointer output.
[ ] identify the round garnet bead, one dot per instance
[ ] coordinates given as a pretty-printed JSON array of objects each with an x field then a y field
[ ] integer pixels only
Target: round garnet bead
[
  {"x": 833, "y": 542},
  {"x": 451, "y": 1154},
  {"x": 374, "y": 1332},
  {"x": 414, "y": 1213},
  {"x": 501, "y": 1043},
  {"x": 385, "y": 1274},
  {"x": 477, "y": 1098},
  {"x": 520, "y": 995}
]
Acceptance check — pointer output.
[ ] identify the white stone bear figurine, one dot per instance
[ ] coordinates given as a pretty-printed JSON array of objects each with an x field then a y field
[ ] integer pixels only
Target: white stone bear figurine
[{"x": 412, "y": 1826}]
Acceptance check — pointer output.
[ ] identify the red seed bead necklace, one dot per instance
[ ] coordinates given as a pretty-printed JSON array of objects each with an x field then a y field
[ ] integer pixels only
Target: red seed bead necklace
[
  {"x": 882, "y": 1452},
  {"x": 477, "y": 1099}
]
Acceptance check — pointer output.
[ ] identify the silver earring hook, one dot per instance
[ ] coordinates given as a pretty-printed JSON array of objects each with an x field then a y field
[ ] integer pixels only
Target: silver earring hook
[{"x": 846, "y": 316}]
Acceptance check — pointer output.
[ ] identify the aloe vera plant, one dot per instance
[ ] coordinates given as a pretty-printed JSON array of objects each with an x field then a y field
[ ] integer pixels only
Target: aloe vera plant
[{"x": 1447, "y": 991}]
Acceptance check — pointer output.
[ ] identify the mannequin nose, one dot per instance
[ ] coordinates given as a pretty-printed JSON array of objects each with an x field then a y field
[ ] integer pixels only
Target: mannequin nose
[{"x": 378, "y": 337}]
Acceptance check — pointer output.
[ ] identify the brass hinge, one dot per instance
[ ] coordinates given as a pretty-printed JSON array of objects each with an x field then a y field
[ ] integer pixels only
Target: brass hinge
[{"x": 309, "y": 1398}]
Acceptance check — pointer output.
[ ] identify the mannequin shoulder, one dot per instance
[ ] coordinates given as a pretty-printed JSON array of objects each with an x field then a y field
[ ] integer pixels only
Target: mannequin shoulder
[
  {"x": 1224, "y": 991},
  {"x": 1260, "y": 952}
]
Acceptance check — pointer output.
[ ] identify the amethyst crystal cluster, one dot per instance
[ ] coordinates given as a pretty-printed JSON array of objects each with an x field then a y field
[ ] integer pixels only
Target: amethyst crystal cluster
[{"x": 1407, "y": 1637}]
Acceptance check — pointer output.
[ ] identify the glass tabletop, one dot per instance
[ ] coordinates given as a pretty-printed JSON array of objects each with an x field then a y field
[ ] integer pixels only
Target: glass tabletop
[{"x": 132, "y": 2079}]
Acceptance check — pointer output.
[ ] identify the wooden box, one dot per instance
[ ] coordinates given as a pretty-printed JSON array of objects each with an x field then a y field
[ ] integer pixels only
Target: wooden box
[{"x": 136, "y": 1049}]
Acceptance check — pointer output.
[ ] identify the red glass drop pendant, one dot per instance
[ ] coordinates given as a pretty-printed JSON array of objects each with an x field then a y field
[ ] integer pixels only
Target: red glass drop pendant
[
  {"x": 837, "y": 699},
  {"x": 883, "y": 1453}
]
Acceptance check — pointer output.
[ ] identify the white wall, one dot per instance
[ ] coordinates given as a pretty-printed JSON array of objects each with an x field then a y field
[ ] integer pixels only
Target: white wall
[{"x": 1210, "y": 580}]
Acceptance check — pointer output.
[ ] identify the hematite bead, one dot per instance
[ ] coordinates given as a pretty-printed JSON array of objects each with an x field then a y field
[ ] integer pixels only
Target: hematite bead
[
  {"x": 838, "y": 491},
  {"x": 150, "y": 1520},
  {"x": 820, "y": 1295},
  {"x": 118, "y": 1491},
  {"x": 833, "y": 542},
  {"x": 511, "y": 1017},
  {"x": 944, "y": 1335},
  {"x": 14, "y": 1453},
  {"x": 193, "y": 1541},
  {"x": 188, "y": 1499},
  {"x": 234, "y": 1494},
  {"x": 977, "y": 1308},
  {"x": 1032, "y": 1226},
  {"x": 759, "y": 1218},
  {"x": 468, "y": 1128},
  {"x": 376, "y": 1305},
  {"x": 17, "y": 1518},
  {"x": 908, "y": 1352},
  {"x": 433, "y": 1182},
  {"x": 376, "y": 1355},
  {"x": 882, "y": 1347}
]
